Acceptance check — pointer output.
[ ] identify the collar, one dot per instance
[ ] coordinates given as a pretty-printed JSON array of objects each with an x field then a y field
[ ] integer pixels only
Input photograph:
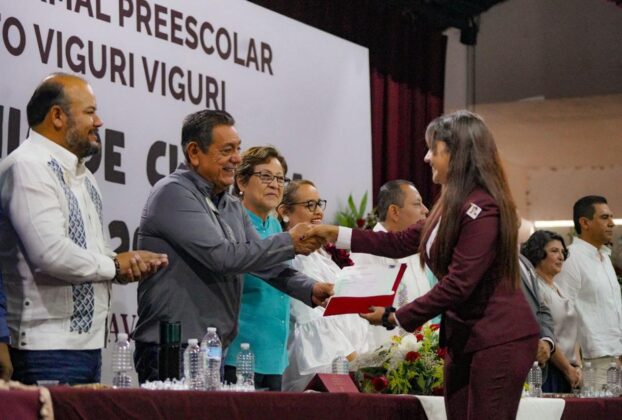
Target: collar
[
  {"x": 380, "y": 228},
  {"x": 204, "y": 186},
  {"x": 546, "y": 283},
  {"x": 65, "y": 158},
  {"x": 591, "y": 249},
  {"x": 257, "y": 221}
]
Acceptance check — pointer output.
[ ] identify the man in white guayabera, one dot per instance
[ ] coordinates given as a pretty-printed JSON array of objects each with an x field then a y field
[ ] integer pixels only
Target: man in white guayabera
[
  {"x": 56, "y": 264},
  {"x": 588, "y": 279}
]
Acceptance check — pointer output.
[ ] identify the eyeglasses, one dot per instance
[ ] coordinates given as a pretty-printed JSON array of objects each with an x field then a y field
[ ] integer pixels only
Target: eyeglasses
[
  {"x": 312, "y": 205},
  {"x": 267, "y": 178}
]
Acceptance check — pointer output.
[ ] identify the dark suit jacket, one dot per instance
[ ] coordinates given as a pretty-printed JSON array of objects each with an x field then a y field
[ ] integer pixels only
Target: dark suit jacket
[
  {"x": 479, "y": 308},
  {"x": 529, "y": 284},
  {"x": 531, "y": 289}
]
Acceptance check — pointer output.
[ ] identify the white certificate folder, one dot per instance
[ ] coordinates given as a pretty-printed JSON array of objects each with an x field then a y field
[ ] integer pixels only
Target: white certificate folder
[{"x": 359, "y": 287}]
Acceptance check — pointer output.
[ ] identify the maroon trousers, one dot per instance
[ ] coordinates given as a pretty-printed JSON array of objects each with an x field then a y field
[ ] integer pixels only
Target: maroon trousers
[{"x": 487, "y": 384}]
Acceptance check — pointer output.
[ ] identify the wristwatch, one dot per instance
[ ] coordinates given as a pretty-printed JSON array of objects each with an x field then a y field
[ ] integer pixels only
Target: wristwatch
[
  {"x": 385, "y": 318},
  {"x": 117, "y": 276}
]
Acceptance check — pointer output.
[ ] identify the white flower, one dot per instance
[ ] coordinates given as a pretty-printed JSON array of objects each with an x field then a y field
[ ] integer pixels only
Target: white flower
[{"x": 409, "y": 343}]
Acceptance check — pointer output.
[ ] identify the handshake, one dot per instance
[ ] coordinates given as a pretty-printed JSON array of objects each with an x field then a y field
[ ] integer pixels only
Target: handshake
[{"x": 308, "y": 238}]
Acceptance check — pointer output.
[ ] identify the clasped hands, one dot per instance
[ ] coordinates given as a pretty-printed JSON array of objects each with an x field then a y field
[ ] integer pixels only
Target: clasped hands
[
  {"x": 138, "y": 265},
  {"x": 307, "y": 238}
]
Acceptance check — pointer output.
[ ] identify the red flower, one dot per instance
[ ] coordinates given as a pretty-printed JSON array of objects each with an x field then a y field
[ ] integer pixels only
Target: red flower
[
  {"x": 341, "y": 257},
  {"x": 380, "y": 383},
  {"x": 360, "y": 222},
  {"x": 437, "y": 391},
  {"x": 412, "y": 356},
  {"x": 435, "y": 327},
  {"x": 441, "y": 352},
  {"x": 419, "y": 337}
]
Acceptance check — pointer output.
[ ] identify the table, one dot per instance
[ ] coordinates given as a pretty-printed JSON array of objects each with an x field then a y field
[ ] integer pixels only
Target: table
[
  {"x": 76, "y": 403},
  {"x": 593, "y": 408},
  {"x": 144, "y": 404},
  {"x": 19, "y": 405}
]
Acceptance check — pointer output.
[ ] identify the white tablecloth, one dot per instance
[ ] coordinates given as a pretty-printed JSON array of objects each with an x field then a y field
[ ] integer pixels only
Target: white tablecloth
[{"x": 529, "y": 408}]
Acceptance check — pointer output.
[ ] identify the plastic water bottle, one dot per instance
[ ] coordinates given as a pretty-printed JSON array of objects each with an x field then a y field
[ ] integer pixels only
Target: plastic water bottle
[
  {"x": 534, "y": 380},
  {"x": 589, "y": 380},
  {"x": 212, "y": 348},
  {"x": 341, "y": 365},
  {"x": 613, "y": 374},
  {"x": 245, "y": 367},
  {"x": 194, "y": 365},
  {"x": 122, "y": 363}
]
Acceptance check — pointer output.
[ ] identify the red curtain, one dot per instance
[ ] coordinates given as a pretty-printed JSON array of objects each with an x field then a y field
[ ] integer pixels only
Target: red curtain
[{"x": 407, "y": 72}]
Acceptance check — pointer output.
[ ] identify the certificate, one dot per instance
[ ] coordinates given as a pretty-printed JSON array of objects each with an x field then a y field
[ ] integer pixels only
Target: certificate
[{"x": 359, "y": 287}]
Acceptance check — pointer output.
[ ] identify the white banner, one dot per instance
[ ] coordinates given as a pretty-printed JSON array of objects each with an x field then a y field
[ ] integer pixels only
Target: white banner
[{"x": 151, "y": 63}]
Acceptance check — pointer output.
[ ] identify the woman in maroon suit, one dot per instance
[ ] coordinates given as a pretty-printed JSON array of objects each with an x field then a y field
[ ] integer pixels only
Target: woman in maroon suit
[{"x": 470, "y": 243}]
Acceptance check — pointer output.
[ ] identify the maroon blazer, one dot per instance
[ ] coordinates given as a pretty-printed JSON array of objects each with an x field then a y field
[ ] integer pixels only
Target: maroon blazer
[{"x": 479, "y": 309}]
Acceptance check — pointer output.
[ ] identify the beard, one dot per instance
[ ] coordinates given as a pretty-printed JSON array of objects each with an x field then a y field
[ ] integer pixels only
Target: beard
[{"x": 80, "y": 144}]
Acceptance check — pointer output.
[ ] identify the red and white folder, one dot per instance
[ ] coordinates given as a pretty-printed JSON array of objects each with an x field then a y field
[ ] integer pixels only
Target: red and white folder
[{"x": 343, "y": 304}]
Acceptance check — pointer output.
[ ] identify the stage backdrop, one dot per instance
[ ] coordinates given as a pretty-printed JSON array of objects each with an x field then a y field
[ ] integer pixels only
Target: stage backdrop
[{"x": 152, "y": 62}]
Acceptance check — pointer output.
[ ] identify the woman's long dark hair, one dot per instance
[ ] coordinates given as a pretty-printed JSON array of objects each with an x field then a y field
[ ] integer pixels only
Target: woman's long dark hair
[{"x": 473, "y": 163}]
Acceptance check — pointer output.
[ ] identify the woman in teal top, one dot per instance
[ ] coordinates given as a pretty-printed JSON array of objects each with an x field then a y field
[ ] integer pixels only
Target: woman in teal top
[{"x": 264, "y": 314}]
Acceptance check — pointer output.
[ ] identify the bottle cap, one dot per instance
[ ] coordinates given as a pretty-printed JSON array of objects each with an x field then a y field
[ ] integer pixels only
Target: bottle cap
[
  {"x": 193, "y": 341},
  {"x": 535, "y": 364},
  {"x": 122, "y": 337},
  {"x": 211, "y": 329},
  {"x": 245, "y": 346},
  {"x": 170, "y": 332}
]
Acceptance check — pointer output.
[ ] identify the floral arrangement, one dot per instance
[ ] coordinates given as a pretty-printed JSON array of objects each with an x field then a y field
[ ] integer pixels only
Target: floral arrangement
[
  {"x": 354, "y": 215},
  {"x": 409, "y": 364}
]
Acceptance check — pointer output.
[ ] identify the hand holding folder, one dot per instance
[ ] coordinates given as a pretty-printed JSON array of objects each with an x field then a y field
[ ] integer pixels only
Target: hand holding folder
[{"x": 359, "y": 287}]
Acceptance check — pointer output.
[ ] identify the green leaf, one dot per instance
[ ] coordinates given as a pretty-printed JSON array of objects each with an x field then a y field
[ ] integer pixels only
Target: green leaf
[
  {"x": 351, "y": 205},
  {"x": 342, "y": 220},
  {"x": 362, "y": 206},
  {"x": 421, "y": 382}
]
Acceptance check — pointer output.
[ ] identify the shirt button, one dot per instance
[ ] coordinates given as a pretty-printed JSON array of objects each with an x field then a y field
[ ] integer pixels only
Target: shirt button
[
  {"x": 27, "y": 303},
  {"x": 22, "y": 343},
  {"x": 23, "y": 334}
]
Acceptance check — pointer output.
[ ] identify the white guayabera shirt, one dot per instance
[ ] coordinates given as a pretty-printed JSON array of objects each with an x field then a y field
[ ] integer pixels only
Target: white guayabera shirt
[
  {"x": 589, "y": 280},
  {"x": 56, "y": 265}
]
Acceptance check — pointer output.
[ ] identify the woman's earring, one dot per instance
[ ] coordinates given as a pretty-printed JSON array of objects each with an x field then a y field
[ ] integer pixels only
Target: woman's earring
[{"x": 285, "y": 219}]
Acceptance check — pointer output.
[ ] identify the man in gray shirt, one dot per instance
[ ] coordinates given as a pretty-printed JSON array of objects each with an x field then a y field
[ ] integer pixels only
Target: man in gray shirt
[{"x": 211, "y": 242}]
